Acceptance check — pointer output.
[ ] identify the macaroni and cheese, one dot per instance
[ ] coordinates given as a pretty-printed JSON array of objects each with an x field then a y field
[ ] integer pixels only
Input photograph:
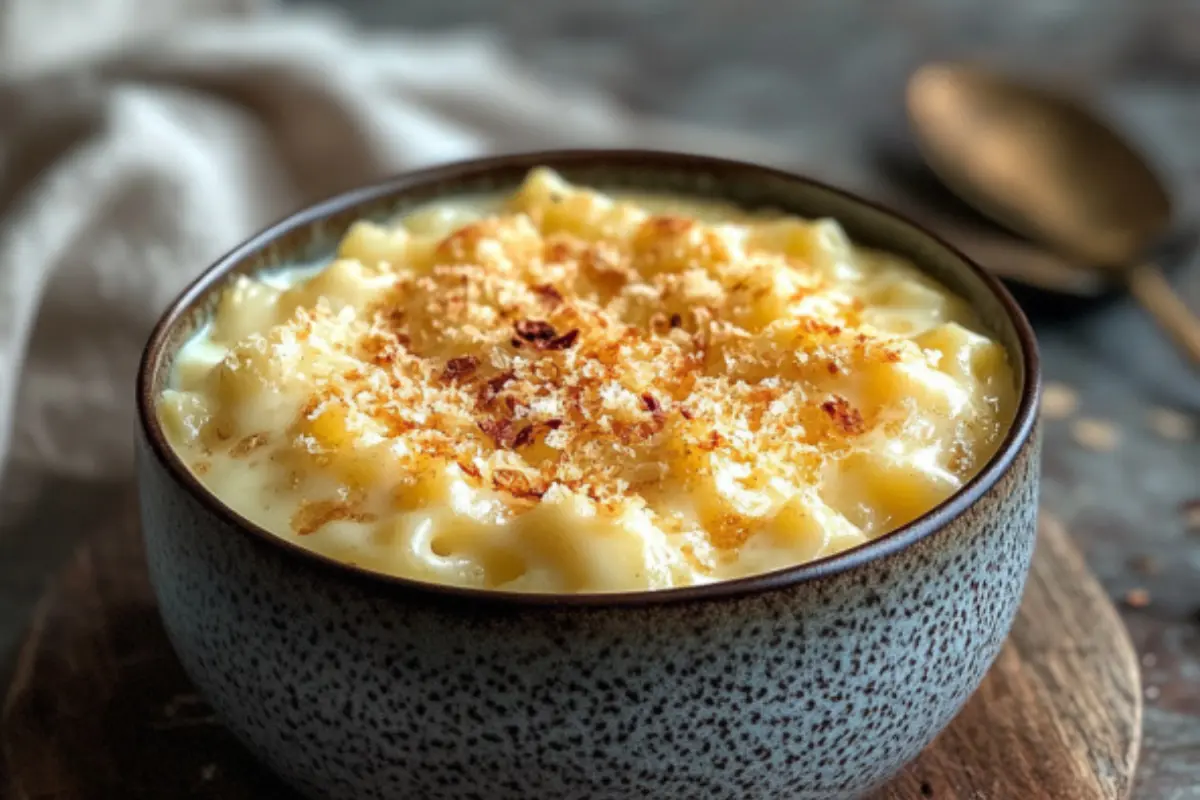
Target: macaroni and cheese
[{"x": 566, "y": 391}]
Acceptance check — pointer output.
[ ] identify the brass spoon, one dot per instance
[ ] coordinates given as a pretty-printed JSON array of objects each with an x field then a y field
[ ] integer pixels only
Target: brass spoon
[{"x": 1045, "y": 167}]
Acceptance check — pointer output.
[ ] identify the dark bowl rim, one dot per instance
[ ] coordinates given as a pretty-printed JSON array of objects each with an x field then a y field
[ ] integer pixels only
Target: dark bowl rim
[{"x": 935, "y": 520}]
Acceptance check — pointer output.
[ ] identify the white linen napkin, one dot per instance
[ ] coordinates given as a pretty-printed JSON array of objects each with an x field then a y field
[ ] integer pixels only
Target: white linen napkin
[{"x": 141, "y": 140}]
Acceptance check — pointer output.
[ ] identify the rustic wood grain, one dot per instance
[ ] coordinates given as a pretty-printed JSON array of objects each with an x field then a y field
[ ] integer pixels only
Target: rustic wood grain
[{"x": 99, "y": 707}]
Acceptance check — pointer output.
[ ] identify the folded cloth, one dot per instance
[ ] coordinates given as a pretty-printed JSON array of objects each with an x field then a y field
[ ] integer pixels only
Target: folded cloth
[{"x": 139, "y": 141}]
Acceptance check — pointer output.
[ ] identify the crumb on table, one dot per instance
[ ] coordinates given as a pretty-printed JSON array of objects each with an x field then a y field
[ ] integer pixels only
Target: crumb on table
[
  {"x": 1137, "y": 598},
  {"x": 1171, "y": 425},
  {"x": 1096, "y": 434},
  {"x": 1059, "y": 400}
]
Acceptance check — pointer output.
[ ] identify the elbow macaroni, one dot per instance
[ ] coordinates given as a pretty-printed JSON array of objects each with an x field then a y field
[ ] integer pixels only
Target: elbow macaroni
[{"x": 566, "y": 391}]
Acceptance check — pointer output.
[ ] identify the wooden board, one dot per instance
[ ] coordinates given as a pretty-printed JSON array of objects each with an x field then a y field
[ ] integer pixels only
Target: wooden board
[{"x": 99, "y": 707}]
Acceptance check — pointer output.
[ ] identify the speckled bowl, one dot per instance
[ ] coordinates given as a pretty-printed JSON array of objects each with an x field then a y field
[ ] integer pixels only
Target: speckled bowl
[{"x": 818, "y": 681}]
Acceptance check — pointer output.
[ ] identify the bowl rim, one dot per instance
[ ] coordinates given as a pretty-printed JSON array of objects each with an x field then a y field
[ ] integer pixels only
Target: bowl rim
[{"x": 935, "y": 520}]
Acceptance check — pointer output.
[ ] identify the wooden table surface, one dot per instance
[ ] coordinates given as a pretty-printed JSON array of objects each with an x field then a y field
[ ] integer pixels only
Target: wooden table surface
[{"x": 826, "y": 78}]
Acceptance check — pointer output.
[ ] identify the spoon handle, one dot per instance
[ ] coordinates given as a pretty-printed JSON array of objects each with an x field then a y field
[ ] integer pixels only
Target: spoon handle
[{"x": 1151, "y": 288}]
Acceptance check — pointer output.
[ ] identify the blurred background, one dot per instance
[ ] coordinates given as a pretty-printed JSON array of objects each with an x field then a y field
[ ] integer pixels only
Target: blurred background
[{"x": 271, "y": 112}]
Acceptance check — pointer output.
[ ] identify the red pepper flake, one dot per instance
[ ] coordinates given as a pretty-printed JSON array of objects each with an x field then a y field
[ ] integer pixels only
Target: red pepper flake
[
  {"x": 650, "y": 403},
  {"x": 460, "y": 367},
  {"x": 496, "y": 383},
  {"x": 845, "y": 416},
  {"x": 532, "y": 330},
  {"x": 686, "y": 414},
  {"x": 676, "y": 320},
  {"x": 523, "y": 437},
  {"x": 833, "y": 368},
  {"x": 500, "y": 431},
  {"x": 564, "y": 342},
  {"x": 548, "y": 293},
  {"x": 554, "y": 424}
]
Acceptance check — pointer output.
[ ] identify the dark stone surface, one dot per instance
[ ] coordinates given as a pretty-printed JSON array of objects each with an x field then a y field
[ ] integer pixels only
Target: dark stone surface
[{"x": 826, "y": 78}]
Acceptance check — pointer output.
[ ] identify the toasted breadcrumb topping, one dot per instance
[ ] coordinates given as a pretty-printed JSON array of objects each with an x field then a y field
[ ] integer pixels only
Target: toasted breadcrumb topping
[
  {"x": 614, "y": 368},
  {"x": 751, "y": 386}
]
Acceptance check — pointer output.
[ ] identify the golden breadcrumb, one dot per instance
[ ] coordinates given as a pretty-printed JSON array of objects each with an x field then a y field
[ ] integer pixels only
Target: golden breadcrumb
[
  {"x": 536, "y": 361},
  {"x": 695, "y": 382}
]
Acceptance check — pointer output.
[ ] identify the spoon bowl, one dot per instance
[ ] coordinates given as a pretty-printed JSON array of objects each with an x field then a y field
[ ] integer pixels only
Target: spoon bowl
[
  {"x": 1042, "y": 165},
  {"x": 1038, "y": 162}
]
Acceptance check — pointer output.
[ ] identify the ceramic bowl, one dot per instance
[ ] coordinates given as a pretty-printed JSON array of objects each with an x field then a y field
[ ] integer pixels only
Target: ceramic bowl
[{"x": 817, "y": 681}]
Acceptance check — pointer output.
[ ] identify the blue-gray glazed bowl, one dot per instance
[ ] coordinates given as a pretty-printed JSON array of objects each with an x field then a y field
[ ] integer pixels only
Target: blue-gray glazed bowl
[{"x": 817, "y": 681}]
